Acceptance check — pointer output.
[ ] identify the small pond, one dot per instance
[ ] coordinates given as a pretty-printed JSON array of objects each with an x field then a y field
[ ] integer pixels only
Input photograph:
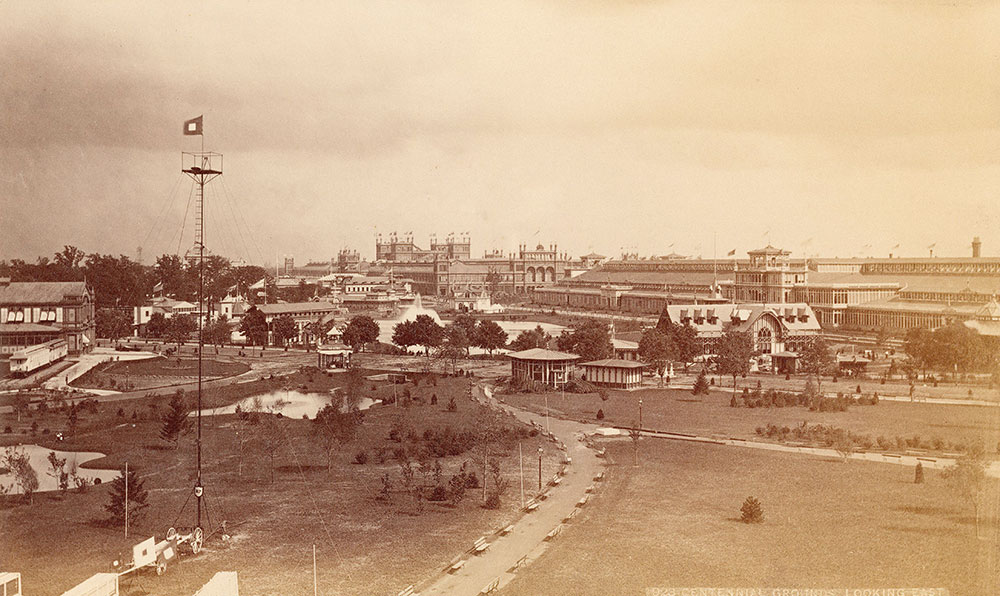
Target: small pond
[
  {"x": 291, "y": 404},
  {"x": 38, "y": 456}
]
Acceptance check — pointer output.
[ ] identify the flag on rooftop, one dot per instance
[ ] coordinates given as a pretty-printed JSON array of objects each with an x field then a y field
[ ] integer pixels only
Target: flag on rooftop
[{"x": 193, "y": 126}]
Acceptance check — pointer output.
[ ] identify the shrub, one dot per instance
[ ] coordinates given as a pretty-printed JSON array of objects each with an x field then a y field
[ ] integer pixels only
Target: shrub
[
  {"x": 361, "y": 457},
  {"x": 700, "y": 384},
  {"x": 452, "y": 406},
  {"x": 751, "y": 511},
  {"x": 7, "y": 430},
  {"x": 600, "y": 414},
  {"x": 438, "y": 494},
  {"x": 918, "y": 474},
  {"x": 733, "y": 403},
  {"x": 434, "y": 399}
]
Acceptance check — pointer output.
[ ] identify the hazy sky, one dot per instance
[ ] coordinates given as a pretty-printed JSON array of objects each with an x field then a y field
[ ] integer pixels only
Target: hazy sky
[{"x": 837, "y": 128}]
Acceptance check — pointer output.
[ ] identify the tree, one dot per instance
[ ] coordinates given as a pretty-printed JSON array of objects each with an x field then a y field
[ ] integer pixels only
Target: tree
[
  {"x": 57, "y": 470},
  {"x": 454, "y": 345},
  {"x": 283, "y": 329},
  {"x": 19, "y": 464},
  {"x": 272, "y": 436},
  {"x": 533, "y": 338},
  {"x": 404, "y": 334},
  {"x": 968, "y": 476},
  {"x": 817, "y": 359},
  {"x": 316, "y": 331},
  {"x": 157, "y": 326},
  {"x": 590, "y": 341},
  {"x": 137, "y": 498},
  {"x": 112, "y": 323},
  {"x": 751, "y": 512},
  {"x": 253, "y": 326},
  {"x": 169, "y": 272},
  {"x": 427, "y": 332},
  {"x": 490, "y": 336},
  {"x": 686, "y": 343},
  {"x": 360, "y": 330},
  {"x": 175, "y": 421},
  {"x": 180, "y": 328},
  {"x": 218, "y": 332},
  {"x": 735, "y": 349},
  {"x": 701, "y": 384},
  {"x": 333, "y": 428},
  {"x": 467, "y": 323},
  {"x": 657, "y": 348},
  {"x": 919, "y": 347}
]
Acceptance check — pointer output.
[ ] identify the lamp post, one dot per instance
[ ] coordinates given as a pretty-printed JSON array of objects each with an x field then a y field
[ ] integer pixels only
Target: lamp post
[
  {"x": 546, "y": 412},
  {"x": 640, "y": 413},
  {"x": 539, "y": 468}
]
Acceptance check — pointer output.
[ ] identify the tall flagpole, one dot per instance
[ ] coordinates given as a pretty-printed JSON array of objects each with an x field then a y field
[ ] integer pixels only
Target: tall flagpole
[{"x": 202, "y": 171}]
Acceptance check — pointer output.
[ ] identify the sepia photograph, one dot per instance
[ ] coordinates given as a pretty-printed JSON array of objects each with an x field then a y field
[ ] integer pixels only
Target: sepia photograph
[{"x": 520, "y": 298}]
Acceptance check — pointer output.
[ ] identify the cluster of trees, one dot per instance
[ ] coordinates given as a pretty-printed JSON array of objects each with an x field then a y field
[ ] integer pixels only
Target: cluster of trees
[
  {"x": 453, "y": 340},
  {"x": 120, "y": 282},
  {"x": 668, "y": 342},
  {"x": 953, "y": 348},
  {"x": 589, "y": 340}
]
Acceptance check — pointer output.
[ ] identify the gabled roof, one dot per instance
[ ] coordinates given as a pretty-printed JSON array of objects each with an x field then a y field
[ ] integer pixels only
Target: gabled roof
[
  {"x": 42, "y": 292},
  {"x": 543, "y": 354}
]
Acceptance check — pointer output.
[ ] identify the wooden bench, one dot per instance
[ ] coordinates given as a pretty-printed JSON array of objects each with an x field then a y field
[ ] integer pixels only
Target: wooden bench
[
  {"x": 600, "y": 453},
  {"x": 507, "y": 530},
  {"x": 571, "y": 515},
  {"x": 599, "y": 477},
  {"x": 583, "y": 501},
  {"x": 456, "y": 566},
  {"x": 407, "y": 591},
  {"x": 480, "y": 545},
  {"x": 555, "y": 481},
  {"x": 531, "y": 507},
  {"x": 491, "y": 587},
  {"x": 552, "y": 534},
  {"x": 567, "y": 460},
  {"x": 590, "y": 489},
  {"x": 520, "y": 563},
  {"x": 562, "y": 471},
  {"x": 542, "y": 496}
]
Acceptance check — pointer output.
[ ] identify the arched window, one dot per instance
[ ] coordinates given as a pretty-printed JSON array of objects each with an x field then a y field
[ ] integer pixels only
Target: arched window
[{"x": 764, "y": 341}]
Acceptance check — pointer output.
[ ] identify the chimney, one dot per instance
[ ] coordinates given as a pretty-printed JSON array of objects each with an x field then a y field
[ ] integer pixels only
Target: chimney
[{"x": 977, "y": 247}]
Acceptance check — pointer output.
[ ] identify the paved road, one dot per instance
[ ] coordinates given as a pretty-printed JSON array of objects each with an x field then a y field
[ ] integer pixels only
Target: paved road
[{"x": 527, "y": 540}]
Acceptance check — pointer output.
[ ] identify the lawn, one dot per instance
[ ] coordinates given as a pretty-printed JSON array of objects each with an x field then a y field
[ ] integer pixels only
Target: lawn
[
  {"x": 155, "y": 372},
  {"x": 674, "y": 522},
  {"x": 363, "y": 544},
  {"x": 679, "y": 411}
]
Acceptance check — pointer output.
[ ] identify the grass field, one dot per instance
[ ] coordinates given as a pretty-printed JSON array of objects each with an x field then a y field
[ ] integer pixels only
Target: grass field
[
  {"x": 680, "y": 411},
  {"x": 155, "y": 372},
  {"x": 363, "y": 545},
  {"x": 674, "y": 522}
]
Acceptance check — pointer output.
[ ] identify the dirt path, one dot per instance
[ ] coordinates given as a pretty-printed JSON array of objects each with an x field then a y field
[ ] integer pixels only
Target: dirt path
[{"x": 495, "y": 567}]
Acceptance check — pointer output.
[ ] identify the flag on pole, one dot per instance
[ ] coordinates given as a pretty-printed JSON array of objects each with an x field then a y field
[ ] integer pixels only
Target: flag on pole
[
  {"x": 731, "y": 253},
  {"x": 193, "y": 126}
]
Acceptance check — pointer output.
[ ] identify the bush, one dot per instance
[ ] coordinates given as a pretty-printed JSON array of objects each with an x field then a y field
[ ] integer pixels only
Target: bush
[
  {"x": 600, "y": 414},
  {"x": 751, "y": 511},
  {"x": 438, "y": 494},
  {"x": 452, "y": 406},
  {"x": 361, "y": 457},
  {"x": 700, "y": 384},
  {"x": 733, "y": 403},
  {"x": 918, "y": 474},
  {"x": 8, "y": 430}
]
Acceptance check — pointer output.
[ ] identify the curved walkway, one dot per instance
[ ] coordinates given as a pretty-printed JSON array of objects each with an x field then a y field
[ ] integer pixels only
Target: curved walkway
[{"x": 526, "y": 541}]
